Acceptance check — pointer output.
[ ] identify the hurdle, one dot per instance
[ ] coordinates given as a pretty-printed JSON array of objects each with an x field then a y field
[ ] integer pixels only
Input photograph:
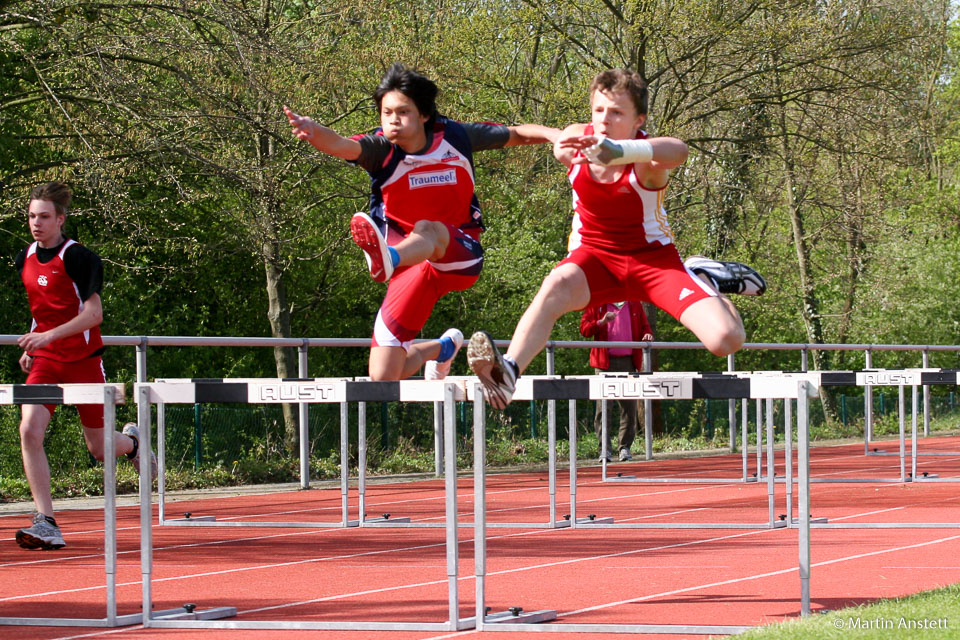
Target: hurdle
[
  {"x": 630, "y": 388},
  {"x": 728, "y": 385},
  {"x": 659, "y": 386},
  {"x": 886, "y": 377},
  {"x": 109, "y": 395},
  {"x": 342, "y": 392},
  {"x": 227, "y": 390}
]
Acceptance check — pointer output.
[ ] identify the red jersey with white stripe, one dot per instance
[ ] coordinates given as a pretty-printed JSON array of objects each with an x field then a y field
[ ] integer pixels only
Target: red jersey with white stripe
[
  {"x": 621, "y": 216},
  {"x": 55, "y": 300}
]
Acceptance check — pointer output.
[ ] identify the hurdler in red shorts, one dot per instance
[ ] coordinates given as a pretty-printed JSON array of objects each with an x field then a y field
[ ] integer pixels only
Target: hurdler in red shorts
[
  {"x": 422, "y": 235},
  {"x": 63, "y": 280},
  {"x": 621, "y": 247}
]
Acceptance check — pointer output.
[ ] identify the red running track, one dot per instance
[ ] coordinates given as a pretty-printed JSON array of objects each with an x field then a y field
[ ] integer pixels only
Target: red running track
[{"x": 605, "y": 576}]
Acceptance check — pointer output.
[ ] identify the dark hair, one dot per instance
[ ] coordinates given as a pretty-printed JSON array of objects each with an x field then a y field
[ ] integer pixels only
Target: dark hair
[
  {"x": 617, "y": 80},
  {"x": 415, "y": 86},
  {"x": 56, "y": 192}
]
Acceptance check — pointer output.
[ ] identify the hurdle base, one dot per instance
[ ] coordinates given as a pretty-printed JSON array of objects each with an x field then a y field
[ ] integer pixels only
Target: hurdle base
[
  {"x": 588, "y": 520},
  {"x": 206, "y": 614},
  {"x": 385, "y": 520},
  {"x": 193, "y": 519},
  {"x": 924, "y": 476},
  {"x": 523, "y": 617},
  {"x": 821, "y": 520}
]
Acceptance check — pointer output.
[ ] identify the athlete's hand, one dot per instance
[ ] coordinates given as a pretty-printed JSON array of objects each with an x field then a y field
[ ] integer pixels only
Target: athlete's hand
[
  {"x": 26, "y": 362},
  {"x": 33, "y": 341},
  {"x": 594, "y": 149},
  {"x": 647, "y": 337},
  {"x": 304, "y": 127}
]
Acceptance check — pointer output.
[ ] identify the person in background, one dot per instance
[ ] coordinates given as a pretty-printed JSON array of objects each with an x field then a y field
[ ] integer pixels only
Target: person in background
[{"x": 617, "y": 322}]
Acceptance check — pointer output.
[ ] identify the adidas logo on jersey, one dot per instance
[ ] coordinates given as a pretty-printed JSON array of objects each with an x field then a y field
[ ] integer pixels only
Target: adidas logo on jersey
[{"x": 685, "y": 292}]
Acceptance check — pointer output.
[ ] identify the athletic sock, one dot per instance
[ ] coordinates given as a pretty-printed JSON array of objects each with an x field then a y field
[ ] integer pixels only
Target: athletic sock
[
  {"x": 513, "y": 365},
  {"x": 394, "y": 256},
  {"x": 447, "y": 349}
]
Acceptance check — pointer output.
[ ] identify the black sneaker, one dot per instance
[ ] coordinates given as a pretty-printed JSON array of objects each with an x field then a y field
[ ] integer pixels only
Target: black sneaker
[
  {"x": 728, "y": 277},
  {"x": 498, "y": 379}
]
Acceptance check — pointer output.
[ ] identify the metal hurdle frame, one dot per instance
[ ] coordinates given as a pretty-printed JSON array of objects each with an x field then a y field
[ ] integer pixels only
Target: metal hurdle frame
[
  {"x": 729, "y": 385},
  {"x": 220, "y": 390},
  {"x": 109, "y": 395},
  {"x": 658, "y": 386},
  {"x": 312, "y": 392},
  {"x": 890, "y": 378},
  {"x": 524, "y": 391}
]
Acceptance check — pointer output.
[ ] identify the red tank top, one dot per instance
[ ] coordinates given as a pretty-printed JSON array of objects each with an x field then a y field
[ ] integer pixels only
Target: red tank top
[
  {"x": 621, "y": 216},
  {"x": 54, "y": 300}
]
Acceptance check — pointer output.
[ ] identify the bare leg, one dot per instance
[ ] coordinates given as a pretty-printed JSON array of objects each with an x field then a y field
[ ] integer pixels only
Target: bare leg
[
  {"x": 564, "y": 289},
  {"x": 122, "y": 445},
  {"x": 716, "y": 324},
  {"x": 396, "y": 363},
  {"x": 427, "y": 241},
  {"x": 33, "y": 425}
]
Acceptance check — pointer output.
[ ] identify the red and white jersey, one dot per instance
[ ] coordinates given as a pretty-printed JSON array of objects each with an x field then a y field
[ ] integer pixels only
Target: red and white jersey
[
  {"x": 55, "y": 300},
  {"x": 620, "y": 216},
  {"x": 435, "y": 184}
]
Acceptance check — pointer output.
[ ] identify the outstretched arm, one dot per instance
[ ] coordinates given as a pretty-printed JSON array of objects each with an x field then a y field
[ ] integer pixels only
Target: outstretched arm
[
  {"x": 323, "y": 138},
  {"x": 661, "y": 154},
  {"x": 531, "y": 134}
]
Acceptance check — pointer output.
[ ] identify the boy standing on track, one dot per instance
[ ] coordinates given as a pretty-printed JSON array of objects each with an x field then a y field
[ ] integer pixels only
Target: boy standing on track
[
  {"x": 423, "y": 232},
  {"x": 621, "y": 247},
  {"x": 63, "y": 280}
]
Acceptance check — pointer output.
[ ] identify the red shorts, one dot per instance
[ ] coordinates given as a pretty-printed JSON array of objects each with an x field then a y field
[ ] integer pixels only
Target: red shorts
[
  {"x": 655, "y": 275},
  {"x": 47, "y": 371},
  {"x": 413, "y": 291}
]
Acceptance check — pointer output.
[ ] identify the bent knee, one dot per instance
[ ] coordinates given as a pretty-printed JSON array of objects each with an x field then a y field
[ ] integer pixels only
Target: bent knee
[{"x": 725, "y": 342}]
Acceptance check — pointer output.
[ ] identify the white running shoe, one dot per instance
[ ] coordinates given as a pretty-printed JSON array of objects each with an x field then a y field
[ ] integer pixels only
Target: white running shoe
[
  {"x": 498, "y": 379},
  {"x": 43, "y": 534},
  {"x": 625, "y": 455},
  {"x": 368, "y": 237},
  {"x": 131, "y": 430},
  {"x": 728, "y": 277},
  {"x": 434, "y": 370}
]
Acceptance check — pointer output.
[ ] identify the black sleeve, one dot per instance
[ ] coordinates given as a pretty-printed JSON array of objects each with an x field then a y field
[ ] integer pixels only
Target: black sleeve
[
  {"x": 86, "y": 269},
  {"x": 373, "y": 151},
  {"x": 486, "y": 135},
  {"x": 20, "y": 260}
]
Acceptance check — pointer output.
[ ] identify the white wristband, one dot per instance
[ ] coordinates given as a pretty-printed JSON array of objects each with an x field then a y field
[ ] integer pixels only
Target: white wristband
[{"x": 609, "y": 152}]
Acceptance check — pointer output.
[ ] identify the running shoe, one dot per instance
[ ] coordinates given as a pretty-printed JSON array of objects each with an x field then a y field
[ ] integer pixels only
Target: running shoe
[
  {"x": 368, "y": 237},
  {"x": 43, "y": 534},
  {"x": 131, "y": 430},
  {"x": 625, "y": 455},
  {"x": 498, "y": 378},
  {"x": 435, "y": 370},
  {"x": 728, "y": 277}
]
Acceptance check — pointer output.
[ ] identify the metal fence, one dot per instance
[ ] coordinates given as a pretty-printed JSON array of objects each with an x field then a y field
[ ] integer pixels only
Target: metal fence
[{"x": 209, "y": 436}]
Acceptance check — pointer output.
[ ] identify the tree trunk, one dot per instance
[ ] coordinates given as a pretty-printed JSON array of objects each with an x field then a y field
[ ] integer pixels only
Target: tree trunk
[
  {"x": 278, "y": 312},
  {"x": 811, "y": 304}
]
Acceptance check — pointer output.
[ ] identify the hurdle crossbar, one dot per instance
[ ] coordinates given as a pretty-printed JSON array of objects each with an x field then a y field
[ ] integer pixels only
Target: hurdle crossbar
[{"x": 310, "y": 391}]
